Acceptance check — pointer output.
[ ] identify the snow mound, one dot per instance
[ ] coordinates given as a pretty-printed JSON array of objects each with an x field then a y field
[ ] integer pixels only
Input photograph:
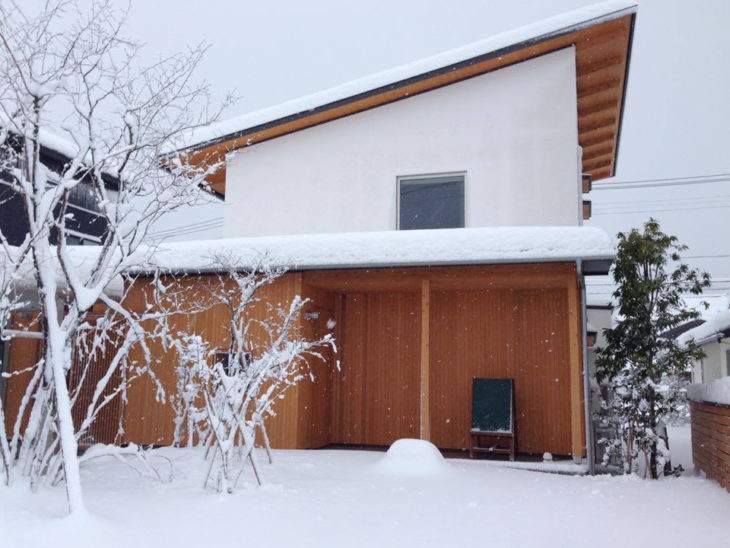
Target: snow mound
[
  {"x": 717, "y": 391},
  {"x": 413, "y": 458}
]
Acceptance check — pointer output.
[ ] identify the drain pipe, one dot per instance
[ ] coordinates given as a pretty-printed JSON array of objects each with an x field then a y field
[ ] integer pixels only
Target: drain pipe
[
  {"x": 586, "y": 373},
  {"x": 17, "y": 334}
]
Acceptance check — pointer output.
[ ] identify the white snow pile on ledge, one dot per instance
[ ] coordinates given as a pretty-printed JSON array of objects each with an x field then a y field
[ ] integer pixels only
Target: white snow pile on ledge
[
  {"x": 83, "y": 260},
  {"x": 411, "y": 457},
  {"x": 47, "y": 139},
  {"x": 541, "y": 30},
  {"x": 458, "y": 246},
  {"x": 717, "y": 391}
]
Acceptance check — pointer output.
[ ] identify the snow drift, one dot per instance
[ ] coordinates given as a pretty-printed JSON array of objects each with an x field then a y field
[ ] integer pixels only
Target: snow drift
[
  {"x": 717, "y": 391},
  {"x": 411, "y": 457}
]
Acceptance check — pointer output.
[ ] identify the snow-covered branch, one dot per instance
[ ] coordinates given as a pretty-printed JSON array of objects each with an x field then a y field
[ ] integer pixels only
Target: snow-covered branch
[{"x": 71, "y": 87}]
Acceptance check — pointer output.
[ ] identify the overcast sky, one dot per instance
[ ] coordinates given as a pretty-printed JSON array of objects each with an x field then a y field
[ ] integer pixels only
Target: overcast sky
[{"x": 676, "y": 117}]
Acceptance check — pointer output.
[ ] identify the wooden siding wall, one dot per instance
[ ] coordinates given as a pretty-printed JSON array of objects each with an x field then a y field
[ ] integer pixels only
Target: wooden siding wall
[
  {"x": 401, "y": 378},
  {"x": 148, "y": 421},
  {"x": 314, "y": 397},
  {"x": 711, "y": 440},
  {"x": 502, "y": 334},
  {"x": 22, "y": 354},
  {"x": 409, "y": 343},
  {"x": 376, "y": 398}
]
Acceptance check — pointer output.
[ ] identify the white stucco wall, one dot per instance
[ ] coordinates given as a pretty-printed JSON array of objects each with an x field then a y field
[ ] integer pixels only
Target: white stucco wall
[
  {"x": 714, "y": 365},
  {"x": 513, "y": 132}
]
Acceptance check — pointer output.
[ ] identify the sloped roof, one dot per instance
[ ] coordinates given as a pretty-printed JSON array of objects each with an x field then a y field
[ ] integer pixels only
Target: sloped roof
[
  {"x": 601, "y": 35},
  {"x": 714, "y": 323}
]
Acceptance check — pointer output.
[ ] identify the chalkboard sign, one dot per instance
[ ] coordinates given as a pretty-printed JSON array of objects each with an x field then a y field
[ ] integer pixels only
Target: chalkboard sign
[{"x": 492, "y": 405}]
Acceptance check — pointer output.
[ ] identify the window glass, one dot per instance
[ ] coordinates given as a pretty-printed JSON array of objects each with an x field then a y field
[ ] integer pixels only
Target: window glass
[{"x": 431, "y": 202}]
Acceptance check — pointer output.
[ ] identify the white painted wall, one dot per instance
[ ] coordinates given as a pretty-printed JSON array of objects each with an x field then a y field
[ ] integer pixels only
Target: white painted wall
[
  {"x": 513, "y": 131},
  {"x": 715, "y": 363},
  {"x": 600, "y": 318}
]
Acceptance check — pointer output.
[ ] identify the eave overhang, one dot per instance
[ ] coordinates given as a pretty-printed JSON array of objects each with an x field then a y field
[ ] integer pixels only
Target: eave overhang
[{"x": 602, "y": 48}]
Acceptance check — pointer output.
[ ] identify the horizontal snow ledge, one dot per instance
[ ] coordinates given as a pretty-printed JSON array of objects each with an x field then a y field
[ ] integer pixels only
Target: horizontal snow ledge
[
  {"x": 460, "y": 246},
  {"x": 717, "y": 391}
]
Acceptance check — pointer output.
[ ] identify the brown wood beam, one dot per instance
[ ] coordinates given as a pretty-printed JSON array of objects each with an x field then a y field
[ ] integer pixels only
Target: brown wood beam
[
  {"x": 598, "y": 139},
  {"x": 601, "y": 174},
  {"x": 597, "y": 124},
  {"x": 598, "y": 163},
  {"x": 587, "y": 183},
  {"x": 597, "y": 65},
  {"x": 590, "y": 77},
  {"x": 597, "y": 153},
  {"x": 425, "y": 422},
  {"x": 598, "y": 107},
  {"x": 615, "y": 38},
  {"x": 587, "y": 91},
  {"x": 576, "y": 371},
  {"x": 587, "y": 210}
]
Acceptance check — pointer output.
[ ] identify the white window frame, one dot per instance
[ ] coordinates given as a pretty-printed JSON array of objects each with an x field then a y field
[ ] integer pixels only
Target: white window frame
[{"x": 423, "y": 176}]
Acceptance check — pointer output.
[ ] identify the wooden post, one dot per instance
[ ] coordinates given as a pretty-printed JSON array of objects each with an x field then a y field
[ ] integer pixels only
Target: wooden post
[
  {"x": 425, "y": 429},
  {"x": 576, "y": 369}
]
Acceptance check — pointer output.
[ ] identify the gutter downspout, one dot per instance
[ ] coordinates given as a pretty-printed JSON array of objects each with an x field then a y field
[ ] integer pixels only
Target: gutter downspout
[
  {"x": 586, "y": 374},
  {"x": 14, "y": 333}
]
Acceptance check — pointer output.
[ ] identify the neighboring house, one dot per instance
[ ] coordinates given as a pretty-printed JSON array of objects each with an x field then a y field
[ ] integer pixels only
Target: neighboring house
[
  {"x": 599, "y": 313},
  {"x": 398, "y": 204},
  {"x": 711, "y": 332},
  {"x": 86, "y": 226}
]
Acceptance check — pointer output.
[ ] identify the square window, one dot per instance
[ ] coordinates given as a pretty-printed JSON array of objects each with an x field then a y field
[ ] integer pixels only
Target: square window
[{"x": 431, "y": 202}]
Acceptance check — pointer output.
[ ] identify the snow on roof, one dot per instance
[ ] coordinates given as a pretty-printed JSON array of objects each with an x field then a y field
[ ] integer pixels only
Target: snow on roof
[
  {"x": 716, "y": 324},
  {"x": 47, "y": 139},
  {"x": 459, "y": 246},
  {"x": 715, "y": 318},
  {"x": 58, "y": 144},
  {"x": 82, "y": 257},
  {"x": 541, "y": 30}
]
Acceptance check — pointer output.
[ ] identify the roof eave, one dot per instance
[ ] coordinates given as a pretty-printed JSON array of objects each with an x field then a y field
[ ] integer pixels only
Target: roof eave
[{"x": 430, "y": 74}]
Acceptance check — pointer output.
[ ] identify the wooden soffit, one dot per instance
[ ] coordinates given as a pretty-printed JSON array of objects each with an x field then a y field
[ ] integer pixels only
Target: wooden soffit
[{"x": 602, "y": 61}]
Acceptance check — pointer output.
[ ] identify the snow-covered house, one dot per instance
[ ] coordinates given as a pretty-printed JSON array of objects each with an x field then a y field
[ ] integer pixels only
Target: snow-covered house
[
  {"x": 85, "y": 226},
  {"x": 479, "y": 141},
  {"x": 712, "y": 332},
  {"x": 496, "y": 133},
  {"x": 432, "y": 215}
]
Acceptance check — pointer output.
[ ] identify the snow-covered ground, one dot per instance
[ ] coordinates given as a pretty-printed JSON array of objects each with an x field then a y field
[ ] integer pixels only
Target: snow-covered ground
[{"x": 353, "y": 498}]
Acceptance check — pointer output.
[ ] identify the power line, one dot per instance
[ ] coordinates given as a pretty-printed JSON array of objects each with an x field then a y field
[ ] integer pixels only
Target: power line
[
  {"x": 188, "y": 231},
  {"x": 674, "y": 181},
  {"x": 705, "y": 256},
  {"x": 202, "y": 225},
  {"x": 189, "y": 225},
  {"x": 658, "y": 210},
  {"x": 667, "y": 200}
]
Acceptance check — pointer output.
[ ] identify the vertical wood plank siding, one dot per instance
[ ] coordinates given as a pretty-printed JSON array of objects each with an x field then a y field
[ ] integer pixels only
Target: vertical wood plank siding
[
  {"x": 377, "y": 390},
  {"x": 315, "y": 395},
  {"x": 502, "y": 334},
  {"x": 22, "y": 354},
  {"x": 711, "y": 440},
  {"x": 149, "y": 420},
  {"x": 516, "y": 321}
]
